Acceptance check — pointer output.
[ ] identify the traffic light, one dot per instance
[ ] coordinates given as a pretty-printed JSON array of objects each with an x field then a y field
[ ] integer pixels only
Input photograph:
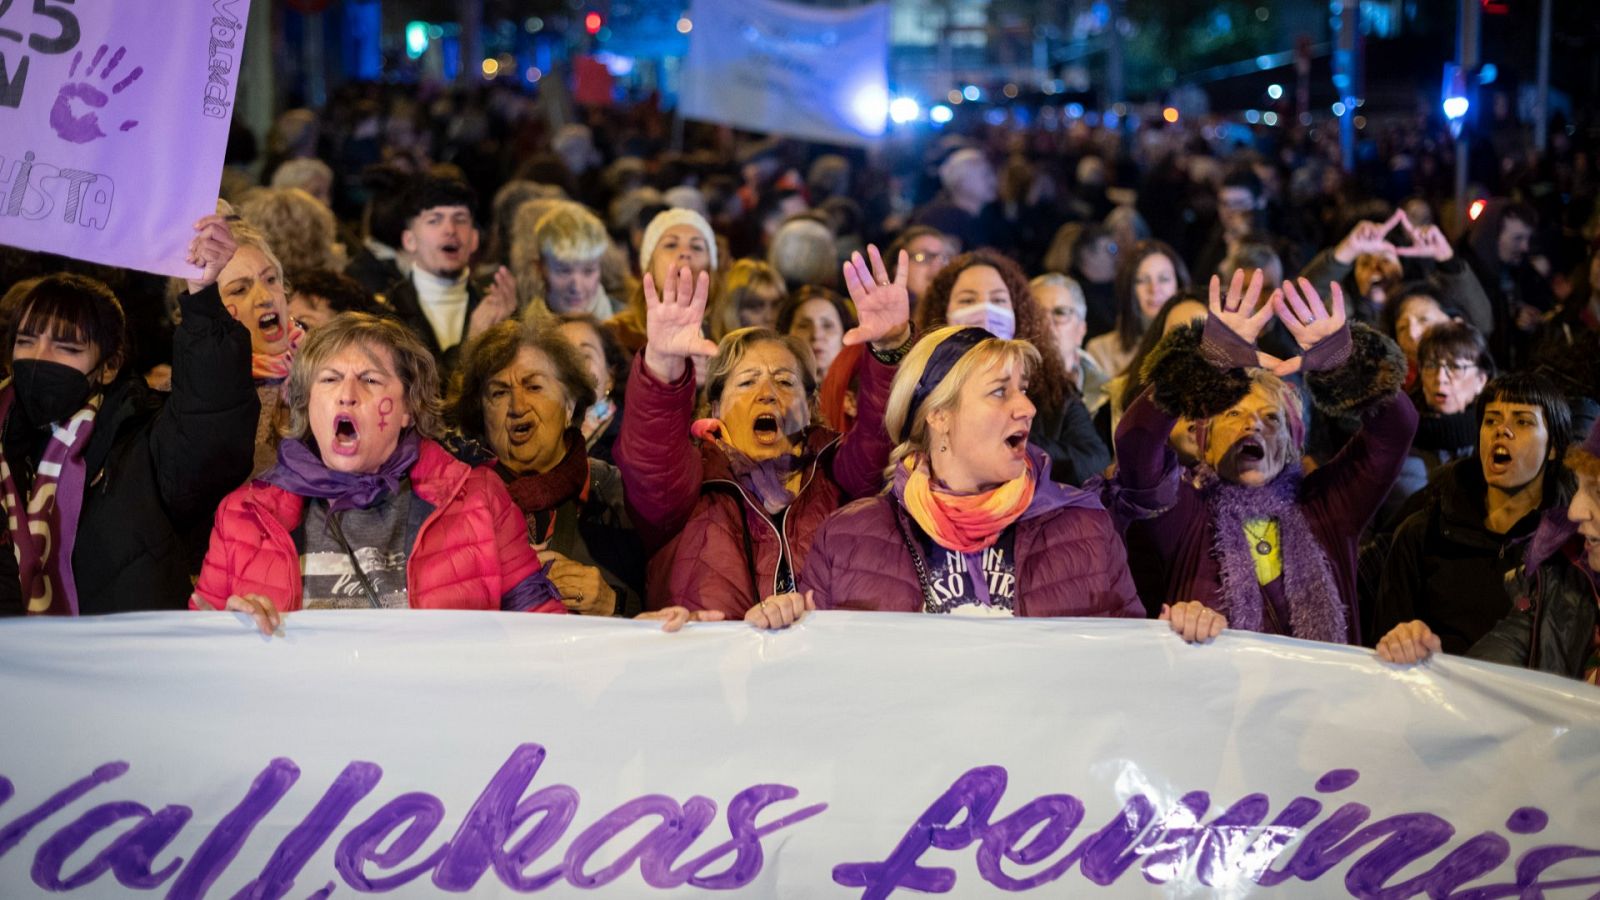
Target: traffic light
[{"x": 592, "y": 23}]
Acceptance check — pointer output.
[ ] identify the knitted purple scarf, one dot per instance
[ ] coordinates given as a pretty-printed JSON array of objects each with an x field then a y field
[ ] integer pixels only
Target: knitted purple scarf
[{"x": 1316, "y": 612}]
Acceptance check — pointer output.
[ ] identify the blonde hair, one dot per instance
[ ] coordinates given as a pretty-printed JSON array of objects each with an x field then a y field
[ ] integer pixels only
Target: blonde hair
[
  {"x": 524, "y": 254},
  {"x": 743, "y": 277},
  {"x": 413, "y": 365},
  {"x": 244, "y": 235},
  {"x": 297, "y": 225},
  {"x": 909, "y": 427}
]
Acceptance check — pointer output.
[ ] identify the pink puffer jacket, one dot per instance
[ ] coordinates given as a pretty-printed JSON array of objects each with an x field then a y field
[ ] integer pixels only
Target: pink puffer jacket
[{"x": 470, "y": 551}]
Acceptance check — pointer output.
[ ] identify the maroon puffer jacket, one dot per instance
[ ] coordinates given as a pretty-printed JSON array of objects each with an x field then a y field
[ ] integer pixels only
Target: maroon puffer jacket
[
  {"x": 694, "y": 516},
  {"x": 1070, "y": 559}
]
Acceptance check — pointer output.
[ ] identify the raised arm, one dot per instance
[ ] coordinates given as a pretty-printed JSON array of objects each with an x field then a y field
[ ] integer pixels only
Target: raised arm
[
  {"x": 883, "y": 306},
  {"x": 660, "y": 466},
  {"x": 203, "y": 441}
]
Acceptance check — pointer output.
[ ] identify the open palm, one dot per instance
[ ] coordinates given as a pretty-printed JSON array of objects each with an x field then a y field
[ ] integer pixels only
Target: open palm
[
  {"x": 674, "y": 315},
  {"x": 883, "y": 307},
  {"x": 1305, "y": 315}
]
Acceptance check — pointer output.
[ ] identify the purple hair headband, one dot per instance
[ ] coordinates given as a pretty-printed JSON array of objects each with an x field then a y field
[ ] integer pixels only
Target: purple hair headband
[{"x": 943, "y": 359}]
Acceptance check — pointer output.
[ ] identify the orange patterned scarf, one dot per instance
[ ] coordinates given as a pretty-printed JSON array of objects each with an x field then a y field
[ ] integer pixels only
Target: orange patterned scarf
[{"x": 965, "y": 523}]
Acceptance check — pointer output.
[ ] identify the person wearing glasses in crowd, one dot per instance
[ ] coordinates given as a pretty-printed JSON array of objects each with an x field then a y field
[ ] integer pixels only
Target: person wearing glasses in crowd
[
  {"x": 1455, "y": 367},
  {"x": 927, "y": 251},
  {"x": 1061, "y": 299}
]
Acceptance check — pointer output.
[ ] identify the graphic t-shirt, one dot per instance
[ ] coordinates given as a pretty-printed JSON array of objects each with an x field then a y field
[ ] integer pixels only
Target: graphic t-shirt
[
  {"x": 980, "y": 584},
  {"x": 376, "y": 535}
]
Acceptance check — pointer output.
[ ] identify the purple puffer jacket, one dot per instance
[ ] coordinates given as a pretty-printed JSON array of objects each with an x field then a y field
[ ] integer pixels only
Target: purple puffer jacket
[
  {"x": 1070, "y": 560},
  {"x": 694, "y": 516}
]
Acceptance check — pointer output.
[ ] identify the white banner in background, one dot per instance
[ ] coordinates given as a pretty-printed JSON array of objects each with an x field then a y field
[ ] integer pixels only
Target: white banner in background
[
  {"x": 856, "y": 755},
  {"x": 113, "y": 124},
  {"x": 804, "y": 71}
]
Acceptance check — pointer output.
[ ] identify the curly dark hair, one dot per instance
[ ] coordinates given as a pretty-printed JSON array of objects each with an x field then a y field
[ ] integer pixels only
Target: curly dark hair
[{"x": 1052, "y": 388}]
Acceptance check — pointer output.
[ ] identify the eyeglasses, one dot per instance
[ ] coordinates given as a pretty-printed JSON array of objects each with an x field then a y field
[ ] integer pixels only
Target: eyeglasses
[
  {"x": 1453, "y": 369},
  {"x": 924, "y": 256},
  {"x": 1065, "y": 314}
]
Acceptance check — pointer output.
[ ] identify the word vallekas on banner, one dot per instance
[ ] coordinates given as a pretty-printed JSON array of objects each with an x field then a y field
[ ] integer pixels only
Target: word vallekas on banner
[
  {"x": 113, "y": 122},
  {"x": 855, "y": 755}
]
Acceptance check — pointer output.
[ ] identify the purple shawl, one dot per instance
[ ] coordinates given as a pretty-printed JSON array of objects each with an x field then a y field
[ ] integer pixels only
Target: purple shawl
[
  {"x": 301, "y": 472},
  {"x": 1315, "y": 611}
]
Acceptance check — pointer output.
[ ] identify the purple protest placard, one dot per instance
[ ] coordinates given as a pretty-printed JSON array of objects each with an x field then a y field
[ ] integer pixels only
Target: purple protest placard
[{"x": 113, "y": 122}]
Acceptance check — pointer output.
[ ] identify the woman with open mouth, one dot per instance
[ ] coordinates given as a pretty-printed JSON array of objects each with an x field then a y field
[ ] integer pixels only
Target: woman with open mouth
[
  {"x": 524, "y": 391},
  {"x": 254, "y": 293},
  {"x": 729, "y": 505},
  {"x": 986, "y": 289},
  {"x": 1249, "y": 533},
  {"x": 972, "y": 525},
  {"x": 363, "y": 509}
]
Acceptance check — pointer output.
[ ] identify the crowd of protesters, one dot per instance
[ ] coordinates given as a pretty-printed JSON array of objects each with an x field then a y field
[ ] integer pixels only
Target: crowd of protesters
[{"x": 444, "y": 353}]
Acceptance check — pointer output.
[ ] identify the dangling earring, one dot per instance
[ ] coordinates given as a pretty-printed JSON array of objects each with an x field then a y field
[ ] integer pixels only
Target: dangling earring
[{"x": 944, "y": 447}]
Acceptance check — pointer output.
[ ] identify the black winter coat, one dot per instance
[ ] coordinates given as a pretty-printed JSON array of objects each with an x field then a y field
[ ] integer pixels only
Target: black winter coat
[
  {"x": 157, "y": 467},
  {"x": 407, "y": 307},
  {"x": 1446, "y": 567},
  {"x": 1552, "y": 624}
]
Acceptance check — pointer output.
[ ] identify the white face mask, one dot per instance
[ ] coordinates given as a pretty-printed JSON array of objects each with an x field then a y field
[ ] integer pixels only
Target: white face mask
[{"x": 998, "y": 320}]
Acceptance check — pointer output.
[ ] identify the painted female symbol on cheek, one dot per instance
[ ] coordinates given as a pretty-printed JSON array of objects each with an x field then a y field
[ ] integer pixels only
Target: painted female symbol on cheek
[{"x": 384, "y": 409}]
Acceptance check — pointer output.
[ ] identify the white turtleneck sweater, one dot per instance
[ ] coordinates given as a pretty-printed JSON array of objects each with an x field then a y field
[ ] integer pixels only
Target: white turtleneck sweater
[{"x": 444, "y": 302}]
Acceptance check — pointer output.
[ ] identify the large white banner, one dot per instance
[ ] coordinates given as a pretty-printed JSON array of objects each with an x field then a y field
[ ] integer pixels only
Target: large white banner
[
  {"x": 856, "y": 755},
  {"x": 804, "y": 71},
  {"x": 113, "y": 123}
]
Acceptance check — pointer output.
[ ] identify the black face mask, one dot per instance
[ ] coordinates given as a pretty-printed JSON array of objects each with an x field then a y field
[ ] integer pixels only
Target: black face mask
[{"x": 48, "y": 392}]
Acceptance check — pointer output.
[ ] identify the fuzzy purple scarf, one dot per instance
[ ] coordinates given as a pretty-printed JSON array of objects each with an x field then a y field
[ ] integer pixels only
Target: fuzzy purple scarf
[{"x": 1316, "y": 612}]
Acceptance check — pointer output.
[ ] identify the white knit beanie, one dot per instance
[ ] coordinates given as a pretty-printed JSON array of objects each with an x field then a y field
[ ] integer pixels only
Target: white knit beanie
[{"x": 667, "y": 219}]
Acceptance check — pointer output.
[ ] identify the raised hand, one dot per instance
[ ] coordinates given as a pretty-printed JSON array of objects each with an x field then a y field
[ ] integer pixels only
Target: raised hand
[
  {"x": 1302, "y": 311},
  {"x": 210, "y": 250},
  {"x": 672, "y": 323},
  {"x": 1368, "y": 237},
  {"x": 1427, "y": 242},
  {"x": 1239, "y": 309},
  {"x": 882, "y": 305},
  {"x": 496, "y": 306}
]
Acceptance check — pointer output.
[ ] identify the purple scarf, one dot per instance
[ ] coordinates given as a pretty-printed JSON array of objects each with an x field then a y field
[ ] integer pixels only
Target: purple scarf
[
  {"x": 300, "y": 471},
  {"x": 766, "y": 480},
  {"x": 44, "y": 524},
  {"x": 1316, "y": 612}
]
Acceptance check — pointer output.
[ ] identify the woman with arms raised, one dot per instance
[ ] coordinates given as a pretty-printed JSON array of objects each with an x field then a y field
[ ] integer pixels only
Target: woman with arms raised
[
  {"x": 971, "y": 523},
  {"x": 1251, "y": 534},
  {"x": 730, "y": 516}
]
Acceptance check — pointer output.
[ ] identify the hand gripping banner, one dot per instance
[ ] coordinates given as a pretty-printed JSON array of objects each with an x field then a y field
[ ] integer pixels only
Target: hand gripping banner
[
  {"x": 113, "y": 123},
  {"x": 872, "y": 755}
]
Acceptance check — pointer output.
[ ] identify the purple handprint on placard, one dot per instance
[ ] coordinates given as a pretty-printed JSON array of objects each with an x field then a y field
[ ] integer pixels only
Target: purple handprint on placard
[{"x": 81, "y": 129}]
